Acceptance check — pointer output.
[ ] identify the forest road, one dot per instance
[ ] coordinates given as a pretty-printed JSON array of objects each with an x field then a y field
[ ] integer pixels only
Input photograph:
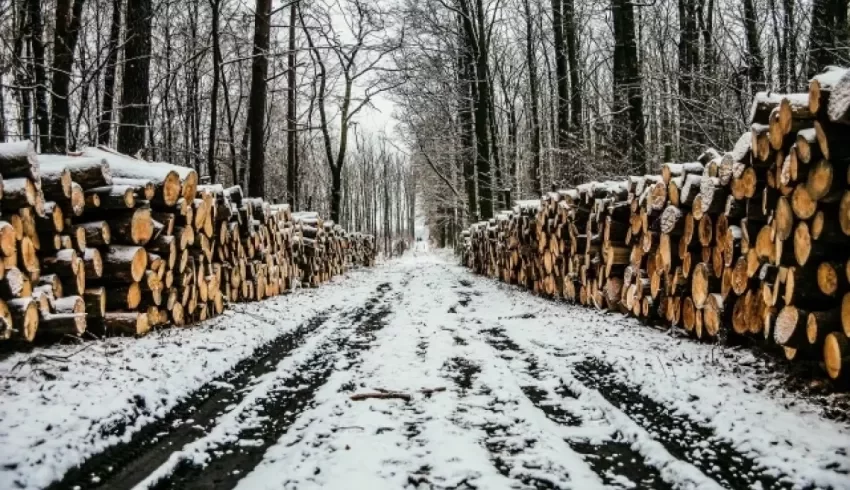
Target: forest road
[{"x": 499, "y": 389}]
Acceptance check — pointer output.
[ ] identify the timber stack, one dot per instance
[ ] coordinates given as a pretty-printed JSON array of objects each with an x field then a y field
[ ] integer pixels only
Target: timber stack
[
  {"x": 104, "y": 243},
  {"x": 748, "y": 246}
]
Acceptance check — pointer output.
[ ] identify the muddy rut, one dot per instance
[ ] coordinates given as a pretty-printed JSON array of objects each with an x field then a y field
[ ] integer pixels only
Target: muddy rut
[{"x": 127, "y": 464}]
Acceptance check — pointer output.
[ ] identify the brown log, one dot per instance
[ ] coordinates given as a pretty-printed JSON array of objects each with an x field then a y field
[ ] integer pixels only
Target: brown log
[
  {"x": 794, "y": 111},
  {"x": 165, "y": 177},
  {"x": 820, "y": 323},
  {"x": 820, "y": 87},
  {"x": 18, "y": 193},
  {"x": 86, "y": 172},
  {"x": 19, "y": 159},
  {"x": 114, "y": 196},
  {"x": 836, "y": 356},
  {"x": 97, "y": 233},
  {"x": 55, "y": 181},
  {"x": 124, "y": 263},
  {"x": 144, "y": 188},
  {"x": 831, "y": 278},
  {"x": 131, "y": 227},
  {"x": 790, "y": 327},
  {"x": 825, "y": 181},
  {"x": 77, "y": 204},
  {"x": 62, "y": 324},
  {"x": 24, "y": 313},
  {"x": 801, "y": 289},
  {"x": 95, "y": 302},
  {"x": 93, "y": 263},
  {"x": 126, "y": 323},
  {"x": 831, "y": 138},
  {"x": 64, "y": 263},
  {"x": 807, "y": 146},
  {"x": 703, "y": 283},
  {"x": 124, "y": 297}
]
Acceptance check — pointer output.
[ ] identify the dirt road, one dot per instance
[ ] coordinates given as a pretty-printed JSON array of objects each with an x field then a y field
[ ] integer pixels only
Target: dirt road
[{"x": 528, "y": 393}]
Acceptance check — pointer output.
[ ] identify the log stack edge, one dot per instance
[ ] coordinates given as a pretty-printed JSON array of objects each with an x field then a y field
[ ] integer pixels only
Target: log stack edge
[
  {"x": 104, "y": 243},
  {"x": 747, "y": 246}
]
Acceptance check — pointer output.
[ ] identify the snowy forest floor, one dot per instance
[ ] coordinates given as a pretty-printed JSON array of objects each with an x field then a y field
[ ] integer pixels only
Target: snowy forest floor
[{"x": 531, "y": 393}]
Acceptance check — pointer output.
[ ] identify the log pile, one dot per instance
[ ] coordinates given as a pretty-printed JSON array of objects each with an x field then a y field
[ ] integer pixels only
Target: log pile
[
  {"x": 750, "y": 246},
  {"x": 104, "y": 243}
]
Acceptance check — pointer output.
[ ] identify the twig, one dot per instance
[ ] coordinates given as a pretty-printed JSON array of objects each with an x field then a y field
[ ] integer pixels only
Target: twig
[{"x": 49, "y": 357}]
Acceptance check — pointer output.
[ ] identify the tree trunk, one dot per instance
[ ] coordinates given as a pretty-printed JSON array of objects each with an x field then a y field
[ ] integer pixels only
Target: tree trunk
[
  {"x": 628, "y": 96},
  {"x": 754, "y": 56},
  {"x": 291, "y": 134},
  {"x": 22, "y": 32},
  {"x": 257, "y": 98},
  {"x": 39, "y": 64},
  {"x": 64, "y": 43},
  {"x": 494, "y": 148},
  {"x": 481, "y": 113},
  {"x": 575, "y": 89},
  {"x": 561, "y": 77},
  {"x": 135, "y": 92},
  {"x": 464, "y": 114},
  {"x": 533, "y": 95},
  {"x": 688, "y": 62},
  {"x": 213, "y": 134},
  {"x": 821, "y": 36}
]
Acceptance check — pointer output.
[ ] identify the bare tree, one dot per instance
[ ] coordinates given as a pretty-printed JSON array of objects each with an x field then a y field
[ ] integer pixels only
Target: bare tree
[{"x": 135, "y": 93}]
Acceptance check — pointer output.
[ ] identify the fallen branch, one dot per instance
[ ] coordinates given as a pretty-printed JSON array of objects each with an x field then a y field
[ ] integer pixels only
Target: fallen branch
[{"x": 365, "y": 396}]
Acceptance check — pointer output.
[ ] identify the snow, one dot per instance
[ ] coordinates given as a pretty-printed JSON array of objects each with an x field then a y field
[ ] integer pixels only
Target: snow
[
  {"x": 56, "y": 411},
  {"x": 491, "y": 346}
]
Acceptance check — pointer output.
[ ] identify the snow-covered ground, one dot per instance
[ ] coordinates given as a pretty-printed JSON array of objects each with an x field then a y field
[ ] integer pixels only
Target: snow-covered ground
[{"x": 528, "y": 393}]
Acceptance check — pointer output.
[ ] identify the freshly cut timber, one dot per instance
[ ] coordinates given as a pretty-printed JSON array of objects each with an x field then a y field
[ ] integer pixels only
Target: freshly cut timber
[
  {"x": 86, "y": 172},
  {"x": 750, "y": 244},
  {"x": 24, "y": 312},
  {"x": 166, "y": 180},
  {"x": 125, "y": 323},
  {"x": 113, "y": 244},
  {"x": 124, "y": 263},
  {"x": 836, "y": 355},
  {"x": 19, "y": 160},
  {"x": 820, "y": 88}
]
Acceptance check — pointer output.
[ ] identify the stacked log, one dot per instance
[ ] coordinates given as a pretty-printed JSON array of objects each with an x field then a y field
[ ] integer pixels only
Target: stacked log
[
  {"x": 750, "y": 246},
  {"x": 109, "y": 244}
]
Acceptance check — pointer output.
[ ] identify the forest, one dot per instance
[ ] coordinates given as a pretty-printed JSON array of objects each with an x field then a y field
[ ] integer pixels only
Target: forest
[{"x": 490, "y": 101}]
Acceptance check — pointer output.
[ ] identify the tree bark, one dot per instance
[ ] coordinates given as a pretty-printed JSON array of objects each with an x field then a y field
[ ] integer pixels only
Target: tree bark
[
  {"x": 477, "y": 41},
  {"x": 628, "y": 95},
  {"x": 820, "y": 36},
  {"x": 291, "y": 134},
  {"x": 464, "y": 114},
  {"x": 135, "y": 92},
  {"x": 688, "y": 63},
  {"x": 39, "y": 64},
  {"x": 257, "y": 98},
  {"x": 575, "y": 131},
  {"x": 64, "y": 43},
  {"x": 533, "y": 95},
  {"x": 213, "y": 134},
  {"x": 561, "y": 78},
  {"x": 22, "y": 32}
]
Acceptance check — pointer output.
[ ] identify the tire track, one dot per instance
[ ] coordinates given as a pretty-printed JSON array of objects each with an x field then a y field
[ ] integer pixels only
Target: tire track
[
  {"x": 273, "y": 415},
  {"x": 612, "y": 459},
  {"x": 683, "y": 437},
  {"x": 125, "y": 464}
]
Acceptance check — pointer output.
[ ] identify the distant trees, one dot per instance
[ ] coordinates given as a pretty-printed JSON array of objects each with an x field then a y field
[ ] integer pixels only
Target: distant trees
[
  {"x": 227, "y": 87},
  {"x": 600, "y": 89}
]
